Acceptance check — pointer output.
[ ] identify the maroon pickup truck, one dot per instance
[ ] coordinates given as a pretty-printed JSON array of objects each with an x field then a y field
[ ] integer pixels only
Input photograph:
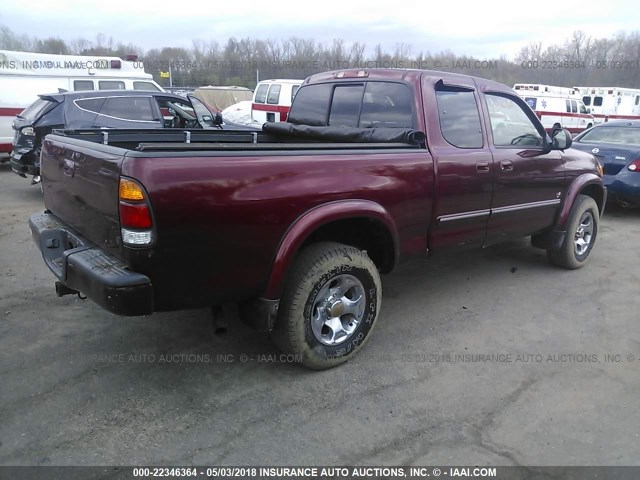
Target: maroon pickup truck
[{"x": 296, "y": 222}]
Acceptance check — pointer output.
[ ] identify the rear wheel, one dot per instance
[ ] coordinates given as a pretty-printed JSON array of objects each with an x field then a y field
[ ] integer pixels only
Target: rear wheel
[
  {"x": 582, "y": 230},
  {"x": 330, "y": 305}
]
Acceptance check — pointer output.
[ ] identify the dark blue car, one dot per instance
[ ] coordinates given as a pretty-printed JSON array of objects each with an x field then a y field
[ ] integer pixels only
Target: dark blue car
[{"x": 616, "y": 145}]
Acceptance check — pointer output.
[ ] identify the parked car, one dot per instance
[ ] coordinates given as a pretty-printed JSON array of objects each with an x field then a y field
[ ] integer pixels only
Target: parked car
[
  {"x": 296, "y": 223},
  {"x": 616, "y": 145},
  {"x": 100, "y": 109}
]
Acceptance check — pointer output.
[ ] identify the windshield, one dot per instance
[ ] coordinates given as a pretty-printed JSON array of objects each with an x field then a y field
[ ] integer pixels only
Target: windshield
[
  {"x": 623, "y": 135},
  {"x": 36, "y": 109}
]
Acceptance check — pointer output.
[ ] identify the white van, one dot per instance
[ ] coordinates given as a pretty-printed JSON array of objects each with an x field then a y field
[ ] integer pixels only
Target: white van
[
  {"x": 272, "y": 100},
  {"x": 556, "y": 107},
  {"x": 25, "y": 75},
  {"x": 611, "y": 103}
]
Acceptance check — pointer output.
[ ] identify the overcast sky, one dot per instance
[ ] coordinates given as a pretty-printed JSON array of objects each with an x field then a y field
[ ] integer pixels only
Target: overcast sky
[{"x": 473, "y": 27}]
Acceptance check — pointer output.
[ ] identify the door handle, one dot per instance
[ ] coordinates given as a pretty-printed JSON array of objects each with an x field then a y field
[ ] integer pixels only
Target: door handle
[
  {"x": 506, "y": 166},
  {"x": 482, "y": 167}
]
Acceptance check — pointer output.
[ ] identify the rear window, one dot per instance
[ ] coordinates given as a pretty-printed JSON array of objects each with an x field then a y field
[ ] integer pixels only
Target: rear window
[
  {"x": 82, "y": 85},
  {"x": 36, "y": 109},
  {"x": 371, "y": 104},
  {"x": 345, "y": 105},
  {"x": 274, "y": 94},
  {"x": 110, "y": 85},
  {"x": 145, "y": 86},
  {"x": 129, "y": 108},
  {"x": 622, "y": 135},
  {"x": 261, "y": 93}
]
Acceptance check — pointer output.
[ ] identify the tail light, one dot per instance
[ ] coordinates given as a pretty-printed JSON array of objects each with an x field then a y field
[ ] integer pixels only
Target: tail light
[
  {"x": 635, "y": 166},
  {"x": 136, "y": 221}
]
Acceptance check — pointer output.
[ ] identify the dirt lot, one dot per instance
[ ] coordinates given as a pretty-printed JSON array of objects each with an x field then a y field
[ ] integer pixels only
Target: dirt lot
[{"x": 486, "y": 357}]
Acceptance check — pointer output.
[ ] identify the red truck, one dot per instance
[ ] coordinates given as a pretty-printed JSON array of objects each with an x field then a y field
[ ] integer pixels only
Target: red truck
[{"x": 296, "y": 222}]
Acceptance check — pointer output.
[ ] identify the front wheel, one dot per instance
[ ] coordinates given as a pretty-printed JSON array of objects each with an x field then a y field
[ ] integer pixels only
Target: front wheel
[
  {"x": 330, "y": 305},
  {"x": 582, "y": 230}
]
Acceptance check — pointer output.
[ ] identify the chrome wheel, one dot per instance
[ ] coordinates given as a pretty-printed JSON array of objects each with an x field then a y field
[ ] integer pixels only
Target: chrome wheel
[
  {"x": 338, "y": 309},
  {"x": 584, "y": 234}
]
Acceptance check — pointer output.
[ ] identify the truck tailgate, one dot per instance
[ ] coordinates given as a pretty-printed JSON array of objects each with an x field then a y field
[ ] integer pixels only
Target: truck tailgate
[{"x": 80, "y": 185}]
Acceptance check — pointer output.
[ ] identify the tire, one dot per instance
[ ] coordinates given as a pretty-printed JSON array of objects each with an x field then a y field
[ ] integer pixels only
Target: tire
[
  {"x": 582, "y": 231},
  {"x": 589, "y": 126},
  {"x": 324, "y": 277}
]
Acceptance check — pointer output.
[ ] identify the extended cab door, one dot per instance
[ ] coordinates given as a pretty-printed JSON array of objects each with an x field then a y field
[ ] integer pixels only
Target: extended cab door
[
  {"x": 528, "y": 183},
  {"x": 463, "y": 163}
]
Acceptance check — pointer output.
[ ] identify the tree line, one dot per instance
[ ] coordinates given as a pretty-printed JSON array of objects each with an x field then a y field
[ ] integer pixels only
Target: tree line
[{"x": 581, "y": 60}]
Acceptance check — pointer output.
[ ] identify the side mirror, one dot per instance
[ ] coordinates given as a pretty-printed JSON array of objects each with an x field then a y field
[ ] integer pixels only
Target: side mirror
[
  {"x": 561, "y": 139},
  {"x": 217, "y": 118}
]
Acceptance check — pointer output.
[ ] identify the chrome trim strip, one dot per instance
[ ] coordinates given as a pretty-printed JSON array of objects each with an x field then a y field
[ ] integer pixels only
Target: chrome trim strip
[
  {"x": 526, "y": 206},
  {"x": 507, "y": 209},
  {"x": 463, "y": 216}
]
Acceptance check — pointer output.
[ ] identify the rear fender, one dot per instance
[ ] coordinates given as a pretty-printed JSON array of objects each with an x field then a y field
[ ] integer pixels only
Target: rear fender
[{"x": 311, "y": 221}]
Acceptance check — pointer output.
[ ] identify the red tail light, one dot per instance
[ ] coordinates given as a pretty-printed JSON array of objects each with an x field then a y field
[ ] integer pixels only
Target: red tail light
[
  {"x": 135, "y": 216},
  {"x": 635, "y": 166},
  {"x": 136, "y": 221}
]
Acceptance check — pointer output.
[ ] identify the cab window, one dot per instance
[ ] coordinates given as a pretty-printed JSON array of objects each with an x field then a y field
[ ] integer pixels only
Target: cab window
[
  {"x": 459, "y": 117},
  {"x": 586, "y": 100},
  {"x": 345, "y": 105},
  {"x": 583, "y": 109},
  {"x": 510, "y": 125}
]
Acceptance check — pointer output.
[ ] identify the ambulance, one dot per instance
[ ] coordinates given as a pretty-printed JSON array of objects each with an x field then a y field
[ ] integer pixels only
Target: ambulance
[
  {"x": 611, "y": 103},
  {"x": 25, "y": 75},
  {"x": 272, "y": 100},
  {"x": 556, "y": 107}
]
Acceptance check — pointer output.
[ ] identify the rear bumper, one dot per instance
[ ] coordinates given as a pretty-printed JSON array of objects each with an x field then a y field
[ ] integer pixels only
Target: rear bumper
[
  {"x": 81, "y": 266},
  {"x": 24, "y": 163}
]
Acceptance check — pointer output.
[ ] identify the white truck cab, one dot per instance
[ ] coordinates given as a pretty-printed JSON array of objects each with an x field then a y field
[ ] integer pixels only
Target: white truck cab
[
  {"x": 556, "y": 107},
  {"x": 25, "y": 75},
  {"x": 272, "y": 100}
]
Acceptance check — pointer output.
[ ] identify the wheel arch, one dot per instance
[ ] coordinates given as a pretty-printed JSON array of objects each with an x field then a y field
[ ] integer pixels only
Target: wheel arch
[
  {"x": 360, "y": 223},
  {"x": 588, "y": 184}
]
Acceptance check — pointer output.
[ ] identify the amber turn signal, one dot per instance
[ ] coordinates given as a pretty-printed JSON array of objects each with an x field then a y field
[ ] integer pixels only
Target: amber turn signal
[{"x": 130, "y": 190}]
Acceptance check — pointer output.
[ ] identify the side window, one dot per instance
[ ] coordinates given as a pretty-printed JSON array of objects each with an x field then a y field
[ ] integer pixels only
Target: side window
[
  {"x": 261, "y": 93},
  {"x": 93, "y": 105},
  {"x": 82, "y": 85},
  {"x": 586, "y": 100},
  {"x": 129, "y": 108},
  {"x": 274, "y": 94},
  {"x": 510, "y": 125},
  {"x": 532, "y": 102},
  {"x": 311, "y": 105},
  {"x": 597, "y": 101},
  {"x": 294, "y": 90},
  {"x": 568, "y": 106},
  {"x": 459, "y": 118},
  {"x": 386, "y": 104},
  {"x": 145, "y": 86},
  {"x": 110, "y": 85},
  {"x": 345, "y": 105},
  {"x": 574, "y": 106},
  {"x": 637, "y": 99}
]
